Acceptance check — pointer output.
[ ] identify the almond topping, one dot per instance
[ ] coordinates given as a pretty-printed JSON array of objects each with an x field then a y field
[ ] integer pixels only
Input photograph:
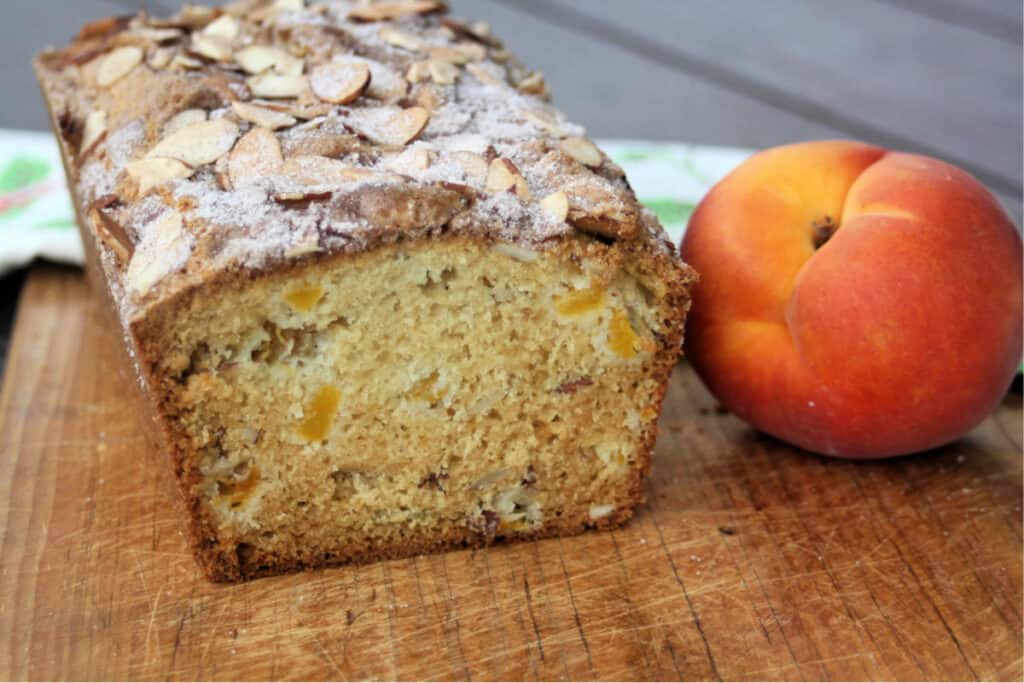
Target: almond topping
[
  {"x": 184, "y": 119},
  {"x": 261, "y": 116},
  {"x": 503, "y": 176},
  {"x": 474, "y": 165},
  {"x": 276, "y": 86},
  {"x": 556, "y": 205},
  {"x": 186, "y": 62},
  {"x": 412, "y": 160},
  {"x": 544, "y": 122},
  {"x": 388, "y": 126},
  {"x": 582, "y": 150},
  {"x": 315, "y": 171},
  {"x": 443, "y": 73},
  {"x": 256, "y": 59},
  {"x": 406, "y": 41},
  {"x": 339, "y": 83},
  {"x": 160, "y": 58},
  {"x": 150, "y": 173},
  {"x": 111, "y": 233},
  {"x": 256, "y": 156},
  {"x": 471, "y": 52},
  {"x": 198, "y": 144},
  {"x": 484, "y": 76},
  {"x": 225, "y": 27},
  {"x": 418, "y": 71},
  {"x": 533, "y": 84},
  {"x": 213, "y": 48},
  {"x": 165, "y": 235},
  {"x": 386, "y": 11},
  {"x": 448, "y": 54},
  {"x": 94, "y": 130},
  {"x": 117, "y": 63}
]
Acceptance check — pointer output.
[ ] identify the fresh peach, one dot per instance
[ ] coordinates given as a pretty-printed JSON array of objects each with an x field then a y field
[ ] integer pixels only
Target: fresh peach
[{"x": 854, "y": 301}]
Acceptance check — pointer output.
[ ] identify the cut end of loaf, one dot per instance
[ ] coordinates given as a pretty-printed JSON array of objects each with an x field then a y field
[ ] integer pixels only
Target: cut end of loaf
[{"x": 424, "y": 395}]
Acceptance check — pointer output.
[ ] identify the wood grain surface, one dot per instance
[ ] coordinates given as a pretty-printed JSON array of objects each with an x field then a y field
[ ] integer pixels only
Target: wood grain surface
[{"x": 751, "y": 560}]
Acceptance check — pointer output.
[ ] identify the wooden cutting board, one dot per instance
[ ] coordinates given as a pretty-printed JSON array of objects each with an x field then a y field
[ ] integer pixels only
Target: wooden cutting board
[{"x": 751, "y": 559}]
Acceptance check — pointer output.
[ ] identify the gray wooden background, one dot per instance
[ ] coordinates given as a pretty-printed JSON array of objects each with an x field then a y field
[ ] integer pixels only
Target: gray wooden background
[{"x": 941, "y": 77}]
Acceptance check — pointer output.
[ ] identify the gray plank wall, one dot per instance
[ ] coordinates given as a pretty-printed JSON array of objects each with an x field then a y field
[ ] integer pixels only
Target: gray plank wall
[{"x": 940, "y": 77}]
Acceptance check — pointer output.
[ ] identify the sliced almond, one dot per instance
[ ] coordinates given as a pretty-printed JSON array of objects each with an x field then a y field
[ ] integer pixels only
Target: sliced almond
[
  {"x": 533, "y": 84},
  {"x": 406, "y": 41},
  {"x": 276, "y": 86},
  {"x": 164, "y": 237},
  {"x": 159, "y": 35},
  {"x": 256, "y": 59},
  {"x": 183, "y": 120},
  {"x": 386, "y": 84},
  {"x": 185, "y": 62},
  {"x": 213, "y": 48},
  {"x": 583, "y": 151},
  {"x": 388, "y": 126},
  {"x": 198, "y": 144},
  {"x": 556, "y": 205},
  {"x": 93, "y": 131},
  {"x": 412, "y": 160},
  {"x": 386, "y": 11},
  {"x": 289, "y": 5},
  {"x": 418, "y": 71},
  {"x": 117, "y": 63},
  {"x": 473, "y": 164},
  {"x": 484, "y": 76},
  {"x": 448, "y": 54},
  {"x": 544, "y": 122},
  {"x": 503, "y": 176},
  {"x": 443, "y": 73},
  {"x": 471, "y": 52},
  {"x": 225, "y": 27},
  {"x": 261, "y": 116},
  {"x": 339, "y": 82},
  {"x": 256, "y": 156},
  {"x": 160, "y": 58},
  {"x": 112, "y": 234},
  {"x": 150, "y": 173},
  {"x": 318, "y": 171}
]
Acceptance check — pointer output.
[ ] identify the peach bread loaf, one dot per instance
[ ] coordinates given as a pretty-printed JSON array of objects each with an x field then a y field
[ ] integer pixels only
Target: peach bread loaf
[{"x": 378, "y": 295}]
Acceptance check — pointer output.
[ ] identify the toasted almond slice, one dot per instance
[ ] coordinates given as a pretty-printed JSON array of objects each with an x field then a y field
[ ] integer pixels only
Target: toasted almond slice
[
  {"x": 484, "y": 76},
  {"x": 256, "y": 156},
  {"x": 191, "y": 17},
  {"x": 198, "y": 144},
  {"x": 533, "y": 84},
  {"x": 165, "y": 236},
  {"x": 94, "y": 130},
  {"x": 150, "y": 173},
  {"x": 473, "y": 164},
  {"x": 256, "y": 59},
  {"x": 339, "y": 82},
  {"x": 556, "y": 205},
  {"x": 481, "y": 29},
  {"x": 160, "y": 58},
  {"x": 224, "y": 26},
  {"x": 317, "y": 171},
  {"x": 186, "y": 62},
  {"x": 418, "y": 71},
  {"x": 261, "y": 116},
  {"x": 386, "y": 84},
  {"x": 111, "y": 233},
  {"x": 503, "y": 176},
  {"x": 412, "y": 160},
  {"x": 443, "y": 73},
  {"x": 159, "y": 35},
  {"x": 275, "y": 86},
  {"x": 389, "y": 126},
  {"x": 448, "y": 54},
  {"x": 471, "y": 52},
  {"x": 289, "y": 5},
  {"x": 386, "y": 11},
  {"x": 117, "y": 63},
  {"x": 582, "y": 150},
  {"x": 184, "y": 119},
  {"x": 402, "y": 39},
  {"x": 544, "y": 122},
  {"x": 213, "y": 48}
]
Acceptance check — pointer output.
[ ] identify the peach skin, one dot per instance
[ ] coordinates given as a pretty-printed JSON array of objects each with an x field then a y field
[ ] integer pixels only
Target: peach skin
[{"x": 854, "y": 301}]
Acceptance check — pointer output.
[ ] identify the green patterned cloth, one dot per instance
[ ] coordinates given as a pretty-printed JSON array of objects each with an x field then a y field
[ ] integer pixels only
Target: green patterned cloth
[{"x": 36, "y": 219}]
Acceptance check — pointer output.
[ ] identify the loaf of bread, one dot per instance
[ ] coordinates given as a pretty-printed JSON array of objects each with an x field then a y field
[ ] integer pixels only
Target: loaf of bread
[{"x": 379, "y": 297}]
